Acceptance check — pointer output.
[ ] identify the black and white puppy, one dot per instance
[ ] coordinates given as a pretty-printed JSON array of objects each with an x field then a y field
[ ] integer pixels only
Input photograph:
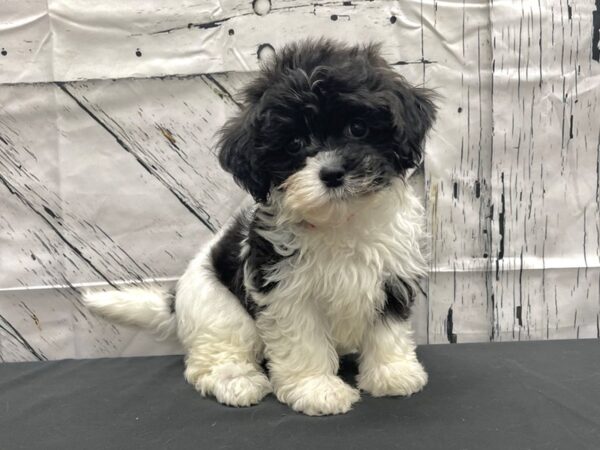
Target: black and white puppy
[{"x": 325, "y": 262}]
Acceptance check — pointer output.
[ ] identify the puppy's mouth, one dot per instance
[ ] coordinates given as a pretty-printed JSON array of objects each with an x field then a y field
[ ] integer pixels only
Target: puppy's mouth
[{"x": 351, "y": 189}]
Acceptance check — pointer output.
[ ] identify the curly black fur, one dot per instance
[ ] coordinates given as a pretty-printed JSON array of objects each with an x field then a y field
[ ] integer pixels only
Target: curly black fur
[{"x": 303, "y": 102}]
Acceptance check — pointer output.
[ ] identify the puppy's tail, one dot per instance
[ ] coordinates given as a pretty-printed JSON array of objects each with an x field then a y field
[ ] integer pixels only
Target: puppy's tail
[{"x": 143, "y": 307}]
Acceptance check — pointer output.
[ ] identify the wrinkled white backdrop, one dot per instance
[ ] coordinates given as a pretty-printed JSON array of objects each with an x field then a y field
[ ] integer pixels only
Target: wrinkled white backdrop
[{"x": 108, "y": 112}]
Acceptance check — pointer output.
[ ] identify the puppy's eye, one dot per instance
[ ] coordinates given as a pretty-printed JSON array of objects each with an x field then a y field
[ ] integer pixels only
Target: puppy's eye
[
  {"x": 358, "y": 129},
  {"x": 295, "y": 145}
]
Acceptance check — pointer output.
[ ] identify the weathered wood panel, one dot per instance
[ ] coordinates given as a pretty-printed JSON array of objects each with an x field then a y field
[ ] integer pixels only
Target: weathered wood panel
[
  {"x": 545, "y": 159},
  {"x": 66, "y": 40},
  {"x": 100, "y": 177},
  {"x": 458, "y": 171}
]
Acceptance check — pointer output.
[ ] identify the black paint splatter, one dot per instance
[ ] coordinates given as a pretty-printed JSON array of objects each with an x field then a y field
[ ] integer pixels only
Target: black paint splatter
[
  {"x": 3, "y": 52},
  {"x": 264, "y": 50},
  {"x": 501, "y": 220},
  {"x": 494, "y": 322},
  {"x": 460, "y": 109},
  {"x": 520, "y": 315},
  {"x": 50, "y": 212},
  {"x": 571, "y": 128},
  {"x": 138, "y": 53},
  {"x": 334, "y": 17},
  {"x": 452, "y": 338},
  {"x": 207, "y": 25},
  {"x": 261, "y": 7},
  {"x": 393, "y": 19},
  {"x": 596, "y": 33},
  {"x": 455, "y": 190},
  {"x": 520, "y": 307},
  {"x": 231, "y": 32},
  {"x": 200, "y": 26},
  {"x": 419, "y": 61}
]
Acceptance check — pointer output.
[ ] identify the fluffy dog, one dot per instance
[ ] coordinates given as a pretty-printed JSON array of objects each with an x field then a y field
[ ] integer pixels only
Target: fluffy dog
[{"x": 326, "y": 260}]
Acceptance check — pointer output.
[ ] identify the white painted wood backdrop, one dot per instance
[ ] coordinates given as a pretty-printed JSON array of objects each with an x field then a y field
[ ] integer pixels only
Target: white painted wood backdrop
[{"x": 107, "y": 169}]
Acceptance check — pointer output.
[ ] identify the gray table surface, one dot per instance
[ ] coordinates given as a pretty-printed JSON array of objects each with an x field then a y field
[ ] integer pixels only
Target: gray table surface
[{"x": 529, "y": 395}]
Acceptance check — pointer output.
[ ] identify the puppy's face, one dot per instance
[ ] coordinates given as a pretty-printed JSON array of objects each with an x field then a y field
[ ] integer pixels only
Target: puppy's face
[{"x": 324, "y": 126}]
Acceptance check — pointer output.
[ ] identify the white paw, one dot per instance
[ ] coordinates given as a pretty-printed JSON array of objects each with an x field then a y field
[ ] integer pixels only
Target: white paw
[
  {"x": 404, "y": 377},
  {"x": 319, "y": 395},
  {"x": 232, "y": 385},
  {"x": 242, "y": 390}
]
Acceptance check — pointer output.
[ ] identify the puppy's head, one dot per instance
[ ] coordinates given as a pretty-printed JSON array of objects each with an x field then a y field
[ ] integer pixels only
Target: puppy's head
[{"x": 325, "y": 125}]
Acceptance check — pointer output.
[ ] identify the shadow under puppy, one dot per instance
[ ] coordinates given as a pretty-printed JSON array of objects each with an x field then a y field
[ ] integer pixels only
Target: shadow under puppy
[{"x": 325, "y": 262}]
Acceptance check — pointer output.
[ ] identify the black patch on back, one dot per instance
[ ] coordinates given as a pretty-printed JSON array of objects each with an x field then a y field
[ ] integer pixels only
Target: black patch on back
[
  {"x": 262, "y": 255},
  {"x": 228, "y": 266},
  {"x": 399, "y": 297}
]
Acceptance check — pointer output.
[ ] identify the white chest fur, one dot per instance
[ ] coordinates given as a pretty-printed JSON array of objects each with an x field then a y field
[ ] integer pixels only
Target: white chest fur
[{"x": 338, "y": 273}]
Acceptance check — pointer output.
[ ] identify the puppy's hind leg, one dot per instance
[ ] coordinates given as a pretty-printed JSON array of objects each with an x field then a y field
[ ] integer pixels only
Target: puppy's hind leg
[{"x": 222, "y": 345}]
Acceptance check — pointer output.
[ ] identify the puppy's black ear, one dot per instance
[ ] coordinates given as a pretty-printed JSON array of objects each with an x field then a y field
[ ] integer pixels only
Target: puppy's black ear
[
  {"x": 413, "y": 109},
  {"x": 238, "y": 155},
  {"x": 414, "y": 114}
]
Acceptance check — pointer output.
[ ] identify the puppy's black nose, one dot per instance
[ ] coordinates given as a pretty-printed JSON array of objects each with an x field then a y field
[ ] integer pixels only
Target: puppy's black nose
[{"x": 332, "y": 176}]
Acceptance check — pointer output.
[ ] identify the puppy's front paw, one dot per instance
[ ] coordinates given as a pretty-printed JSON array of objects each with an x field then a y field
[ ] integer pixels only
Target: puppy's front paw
[
  {"x": 404, "y": 377},
  {"x": 231, "y": 384},
  {"x": 319, "y": 395},
  {"x": 242, "y": 390}
]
